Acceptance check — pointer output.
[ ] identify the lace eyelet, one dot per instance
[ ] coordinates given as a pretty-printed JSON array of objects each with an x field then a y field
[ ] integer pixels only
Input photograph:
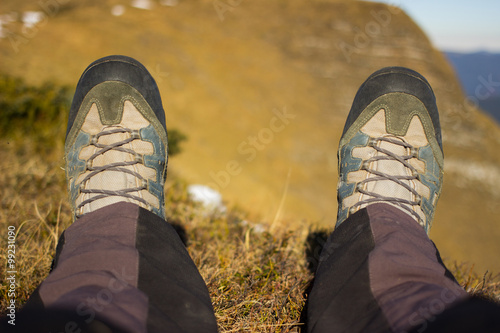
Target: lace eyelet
[
  {"x": 414, "y": 152},
  {"x": 372, "y": 142},
  {"x": 135, "y": 134}
]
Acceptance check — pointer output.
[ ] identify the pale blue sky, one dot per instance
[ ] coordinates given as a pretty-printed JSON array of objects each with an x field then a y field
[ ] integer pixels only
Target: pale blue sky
[{"x": 457, "y": 25}]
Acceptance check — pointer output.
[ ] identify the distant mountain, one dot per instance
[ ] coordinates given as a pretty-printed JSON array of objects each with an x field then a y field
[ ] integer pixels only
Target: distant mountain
[{"x": 480, "y": 76}]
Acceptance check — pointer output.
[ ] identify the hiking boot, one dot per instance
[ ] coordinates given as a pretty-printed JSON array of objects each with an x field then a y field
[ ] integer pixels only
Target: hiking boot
[
  {"x": 116, "y": 141},
  {"x": 391, "y": 148}
]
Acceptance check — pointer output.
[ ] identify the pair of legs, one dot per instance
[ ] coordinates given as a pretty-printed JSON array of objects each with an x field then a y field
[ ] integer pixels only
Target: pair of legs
[{"x": 120, "y": 267}]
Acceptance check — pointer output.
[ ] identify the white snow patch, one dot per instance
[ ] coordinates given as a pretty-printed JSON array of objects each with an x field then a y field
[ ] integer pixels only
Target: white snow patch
[
  {"x": 472, "y": 172},
  {"x": 208, "y": 197},
  {"x": 142, "y": 4},
  {"x": 9, "y": 18},
  {"x": 30, "y": 18},
  {"x": 259, "y": 228},
  {"x": 6, "y": 19},
  {"x": 118, "y": 10},
  {"x": 169, "y": 3}
]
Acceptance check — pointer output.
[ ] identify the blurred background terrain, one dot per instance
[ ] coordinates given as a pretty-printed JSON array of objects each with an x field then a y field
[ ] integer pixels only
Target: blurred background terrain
[{"x": 261, "y": 89}]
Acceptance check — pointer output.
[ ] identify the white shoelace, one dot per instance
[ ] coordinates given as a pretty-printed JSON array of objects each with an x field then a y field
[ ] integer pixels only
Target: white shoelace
[
  {"x": 116, "y": 166},
  {"x": 398, "y": 179}
]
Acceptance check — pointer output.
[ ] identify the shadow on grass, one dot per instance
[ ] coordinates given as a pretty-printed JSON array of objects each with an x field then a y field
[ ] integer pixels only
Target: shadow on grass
[
  {"x": 314, "y": 245},
  {"x": 181, "y": 231}
]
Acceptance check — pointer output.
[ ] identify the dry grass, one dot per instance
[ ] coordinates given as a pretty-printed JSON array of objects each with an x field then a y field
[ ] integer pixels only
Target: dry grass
[
  {"x": 33, "y": 201},
  {"x": 486, "y": 285},
  {"x": 256, "y": 279}
]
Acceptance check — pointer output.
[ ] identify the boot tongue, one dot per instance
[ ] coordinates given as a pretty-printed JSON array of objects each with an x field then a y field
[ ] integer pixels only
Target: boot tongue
[
  {"x": 390, "y": 167},
  {"x": 111, "y": 180}
]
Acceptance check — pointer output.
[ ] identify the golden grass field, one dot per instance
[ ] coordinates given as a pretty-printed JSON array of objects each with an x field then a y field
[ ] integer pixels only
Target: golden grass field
[{"x": 222, "y": 79}]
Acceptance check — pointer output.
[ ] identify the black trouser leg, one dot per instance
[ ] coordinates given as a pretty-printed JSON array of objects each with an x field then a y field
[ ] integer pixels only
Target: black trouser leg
[
  {"x": 379, "y": 272},
  {"x": 120, "y": 269}
]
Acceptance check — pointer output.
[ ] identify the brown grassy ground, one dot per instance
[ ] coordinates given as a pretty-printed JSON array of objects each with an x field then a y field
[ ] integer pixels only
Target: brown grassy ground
[{"x": 256, "y": 278}]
